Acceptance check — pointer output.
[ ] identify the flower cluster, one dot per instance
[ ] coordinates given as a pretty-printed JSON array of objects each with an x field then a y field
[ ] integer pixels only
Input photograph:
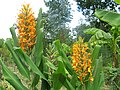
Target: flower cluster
[
  {"x": 81, "y": 61},
  {"x": 26, "y": 28}
]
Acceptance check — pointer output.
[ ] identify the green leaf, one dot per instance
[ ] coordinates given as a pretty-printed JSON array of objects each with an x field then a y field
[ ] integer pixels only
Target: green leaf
[
  {"x": 22, "y": 69},
  {"x": 110, "y": 17},
  {"x": 16, "y": 42},
  {"x": 98, "y": 75},
  {"x": 67, "y": 84},
  {"x": 98, "y": 33},
  {"x": 89, "y": 85},
  {"x": 35, "y": 80},
  {"x": 12, "y": 78},
  {"x": 59, "y": 73},
  {"x": 91, "y": 31},
  {"x": 59, "y": 77},
  {"x": 56, "y": 82},
  {"x": 63, "y": 55},
  {"x": 39, "y": 39},
  {"x": 30, "y": 63},
  {"x": 49, "y": 64},
  {"x": 74, "y": 80},
  {"x": 95, "y": 53},
  {"x": 44, "y": 85},
  {"x": 117, "y": 1},
  {"x": 66, "y": 48},
  {"x": 39, "y": 21},
  {"x": 99, "y": 36},
  {"x": 61, "y": 67},
  {"x": 38, "y": 47}
]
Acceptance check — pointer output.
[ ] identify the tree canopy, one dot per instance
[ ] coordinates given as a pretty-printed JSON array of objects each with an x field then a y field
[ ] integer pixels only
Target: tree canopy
[
  {"x": 57, "y": 17},
  {"x": 87, "y": 7}
]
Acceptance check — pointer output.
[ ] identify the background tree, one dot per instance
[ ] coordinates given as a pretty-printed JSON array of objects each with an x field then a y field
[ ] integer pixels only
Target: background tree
[
  {"x": 79, "y": 31},
  {"x": 87, "y": 7},
  {"x": 58, "y": 16}
]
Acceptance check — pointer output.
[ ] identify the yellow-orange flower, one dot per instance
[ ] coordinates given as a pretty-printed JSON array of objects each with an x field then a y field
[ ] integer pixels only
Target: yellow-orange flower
[
  {"x": 81, "y": 61},
  {"x": 26, "y": 28}
]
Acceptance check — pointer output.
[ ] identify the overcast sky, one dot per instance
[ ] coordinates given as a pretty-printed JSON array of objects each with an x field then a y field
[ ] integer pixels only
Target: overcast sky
[{"x": 10, "y": 8}]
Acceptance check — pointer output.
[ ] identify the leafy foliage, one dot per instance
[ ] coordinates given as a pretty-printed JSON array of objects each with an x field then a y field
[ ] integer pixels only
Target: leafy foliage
[
  {"x": 51, "y": 64},
  {"x": 79, "y": 31},
  {"x": 57, "y": 17},
  {"x": 111, "y": 39},
  {"x": 110, "y": 17},
  {"x": 111, "y": 75},
  {"x": 11, "y": 77},
  {"x": 98, "y": 36},
  {"x": 87, "y": 7},
  {"x": 90, "y": 5}
]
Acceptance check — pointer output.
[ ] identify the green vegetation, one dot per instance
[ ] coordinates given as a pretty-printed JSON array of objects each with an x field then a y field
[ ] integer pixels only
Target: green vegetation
[{"x": 47, "y": 58}]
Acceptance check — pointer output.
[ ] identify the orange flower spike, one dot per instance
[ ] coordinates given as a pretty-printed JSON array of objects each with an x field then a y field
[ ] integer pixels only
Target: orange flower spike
[
  {"x": 81, "y": 60},
  {"x": 25, "y": 21}
]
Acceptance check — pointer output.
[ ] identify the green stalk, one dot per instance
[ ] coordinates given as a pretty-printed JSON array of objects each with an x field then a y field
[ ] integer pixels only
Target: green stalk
[{"x": 115, "y": 55}]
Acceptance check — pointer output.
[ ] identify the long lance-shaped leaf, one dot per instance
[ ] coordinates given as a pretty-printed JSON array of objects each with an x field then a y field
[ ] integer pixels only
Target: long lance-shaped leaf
[
  {"x": 33, "y": 67},
  {"x": 39, "y": 47},
  {"x": 22, "y": 69},
  {"x": 110, "y": 17},
  {"x": 12, "y": 78},
  {"x": 49, "y": 64},
  {"x": 60, "y": 77},
  {"x": 35, "y": 80},
  {"x": 59, "y": 74},
  {"x": 39, "y": 39},
  {"x": 38, "y": 26},
  {"x": 74, "y": 80},
  {"x": 98, "y": 75},
  {"x": 43, "y": 67},
  {"x": 68, "y": 85},
  {"x": 65, "y": 59},
  {"x": 45, "y": 85},
  {"x": 38, "y": 50},
  {"x": 97, "y": 71},
  {"x": 12, "y": 30},
  {"x": 95, "y": 53}
]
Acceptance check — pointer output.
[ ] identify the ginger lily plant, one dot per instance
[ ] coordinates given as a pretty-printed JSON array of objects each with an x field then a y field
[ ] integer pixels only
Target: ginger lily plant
[{"x": 82, "y": 72}]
